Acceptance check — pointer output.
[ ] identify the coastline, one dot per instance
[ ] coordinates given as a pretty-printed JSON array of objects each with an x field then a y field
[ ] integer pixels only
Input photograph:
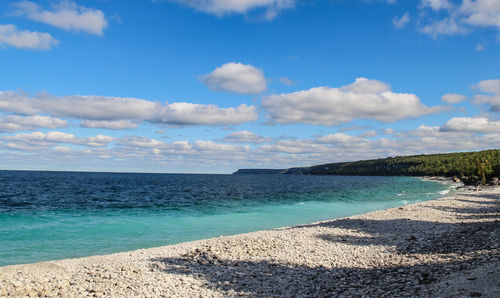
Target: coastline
[{"x": 429, "y": 248}]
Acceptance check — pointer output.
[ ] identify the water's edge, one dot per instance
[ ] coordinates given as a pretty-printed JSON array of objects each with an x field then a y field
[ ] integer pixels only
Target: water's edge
[{"x": 66, "y": 235}]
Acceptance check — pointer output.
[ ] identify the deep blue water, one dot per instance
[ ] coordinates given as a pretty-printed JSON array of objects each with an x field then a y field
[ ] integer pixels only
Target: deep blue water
[{"x": 54, "y": 215}]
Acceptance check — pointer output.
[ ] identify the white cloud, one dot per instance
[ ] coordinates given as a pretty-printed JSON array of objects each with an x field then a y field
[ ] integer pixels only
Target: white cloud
[
  {"x": 62, "y": 149},
  {"x": 463, "y": 16},
  {"x": 198, "y": 150},
  {"x": 96, "y": 141},
  {"x": 479, "y": 48},
  {"x": 17, "y": 123},
  {"x": 182, "y": 113},
  {"x": 16, "y": 102},
  {"x": 422, "y": 131},
  {"x": 447, "y": 26},
  {"x": 293, "y": 147},
  {"x": 339, "y": 138},
  {"x": 117, "y": 124},
  {"x": 101, "y": 108},
  {"x": 489, "y": 86},
  {"x": 141, "y": 153},
  {"x": 364, "y": 85},
  {"x": 37, "y": 139},
  {"x": 23, "y": 39},
  {"x": 210, "y": 146},
  {"x": 237, "y": 78},
  {"x": 244, "y": 136},
  {"x": 453, "y": 98},
  {"x": 492, "y": 99},
  {"x": 368, "y": 134},
  {"x": 484, "y": 13},
  {"x": 226, "y": 7},
  {"x": 364, "y": 99},
  {"x": 66, "y": 15},
  {"x": 401, "y": 22},
  {"x": 340, "y": 147},
  {"x": 388, "y": 131},
  {"x": 353, "y": 128},
  {"x": 436, "y": 4},
  {"x": 466, "y": 124}
]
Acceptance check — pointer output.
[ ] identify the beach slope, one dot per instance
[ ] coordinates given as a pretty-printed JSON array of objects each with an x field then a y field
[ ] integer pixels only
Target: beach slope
[{"x": 445, "y": 247}]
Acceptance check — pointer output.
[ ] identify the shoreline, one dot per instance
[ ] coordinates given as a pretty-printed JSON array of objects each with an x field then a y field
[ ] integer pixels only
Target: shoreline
[{"x": 409, "y": 250}]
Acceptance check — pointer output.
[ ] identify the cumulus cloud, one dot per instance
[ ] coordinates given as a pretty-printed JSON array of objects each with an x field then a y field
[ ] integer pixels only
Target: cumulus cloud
[
  {"x": 447, "y": 26},
  {"x": 436, "y": 4},
  {"x": 363, "y": 99},
  {"x": 338, "y": 138},
  {"x": 62, "y": 149},
  {"x": 489, "y": 86},
  {"x": 224, "y": 7},
  {"x": 493, "y": 98},
  {"x": 401, "y": 22},
  {"x": 24, "y": 39},
  {"x": 466, "y": 124},
  {"x": 16, "y": 123},
  {"x": 205, "y": 155},
  {"x": 462, "y": 17},
  {"x": 237, "y": 78},
  {"x": 244, "y": 136},
  {"x": 182, "y": 113},
  {"x": 102, "y": 108},
  {"x": 340, "y": 147},
  {"x": 198, "y": 149},
  {"x": 453, "y": 98},
  {"x": 36, "y": 139},
  {"x": 211, "y": 146},
  {"x": 66, "y": 15},
  {"x": 484, "y": 13},
  {"x": 116, "y": 125},
  {"x": 364, "y": 85}
]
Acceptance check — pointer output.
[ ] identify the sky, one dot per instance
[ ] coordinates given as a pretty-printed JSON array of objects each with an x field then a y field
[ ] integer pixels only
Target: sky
[{"x": 211, "y": 86}]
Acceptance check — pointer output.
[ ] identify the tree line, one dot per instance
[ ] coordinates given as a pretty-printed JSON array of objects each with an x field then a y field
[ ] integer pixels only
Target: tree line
[{"x": 470, "y": 167}]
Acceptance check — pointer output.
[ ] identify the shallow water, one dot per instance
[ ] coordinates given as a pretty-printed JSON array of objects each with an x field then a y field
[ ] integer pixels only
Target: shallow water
[{"x": 55, "y": 215}]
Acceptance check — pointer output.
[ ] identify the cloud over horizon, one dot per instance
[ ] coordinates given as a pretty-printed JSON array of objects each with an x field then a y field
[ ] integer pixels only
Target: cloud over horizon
[
  {"x": 363, "y": 99},
  {"x": 102, "y": 108},
  {"x": 469, "y": 124},
  {"x": 18, "y": 123}
]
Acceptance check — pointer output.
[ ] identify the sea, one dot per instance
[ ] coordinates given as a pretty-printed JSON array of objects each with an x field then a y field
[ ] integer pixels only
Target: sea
[{"x": 57, "y": 215}]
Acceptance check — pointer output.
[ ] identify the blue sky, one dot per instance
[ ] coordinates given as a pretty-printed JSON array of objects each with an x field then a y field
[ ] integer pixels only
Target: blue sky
[{"x": 210, "y": 86}]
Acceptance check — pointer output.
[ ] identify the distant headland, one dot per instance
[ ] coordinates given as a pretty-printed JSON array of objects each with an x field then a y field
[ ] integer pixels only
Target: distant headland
[{"x": 478, "y": 167}]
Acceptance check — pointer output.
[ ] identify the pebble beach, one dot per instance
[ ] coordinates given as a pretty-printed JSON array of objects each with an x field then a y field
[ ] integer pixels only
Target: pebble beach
[{"x": 449, "y": 247}]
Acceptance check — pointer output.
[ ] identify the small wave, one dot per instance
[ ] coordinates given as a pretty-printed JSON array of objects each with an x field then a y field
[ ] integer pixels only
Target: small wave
[
  {"x": 301, "y": 203},
  {"x": 401, "y": 194},
  {"x": 443, "y": 192},
  {"x": 405, "y": 202}
]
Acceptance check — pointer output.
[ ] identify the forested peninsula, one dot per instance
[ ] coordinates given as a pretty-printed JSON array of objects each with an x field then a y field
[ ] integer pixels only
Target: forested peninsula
[{"x": 469, "y": 167}]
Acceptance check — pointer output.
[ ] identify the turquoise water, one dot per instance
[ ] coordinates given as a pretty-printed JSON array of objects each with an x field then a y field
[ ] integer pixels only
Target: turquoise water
[{"x": 55, "y": 215}]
